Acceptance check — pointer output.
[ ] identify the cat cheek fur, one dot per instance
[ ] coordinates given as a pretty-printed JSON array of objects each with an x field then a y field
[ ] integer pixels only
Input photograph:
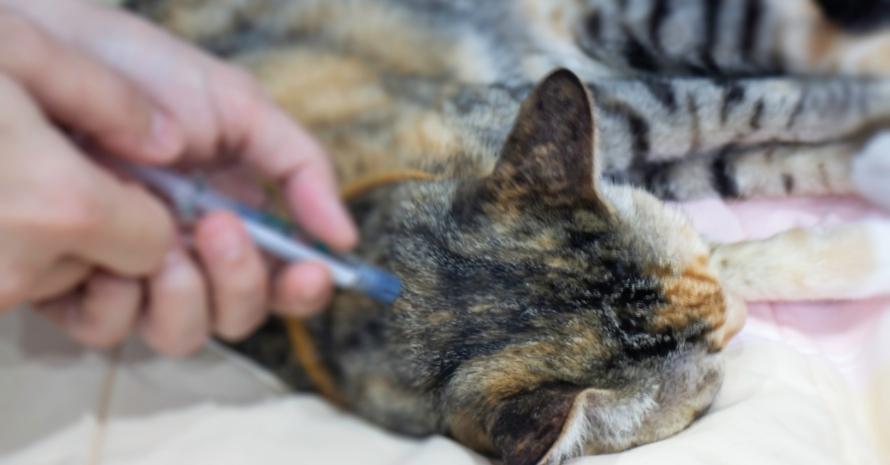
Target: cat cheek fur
[{"x": 559, "y": 421}]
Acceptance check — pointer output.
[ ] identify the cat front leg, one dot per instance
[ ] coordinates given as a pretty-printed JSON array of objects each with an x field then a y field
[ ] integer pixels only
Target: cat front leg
[
  {"x": 851, "y": 261},
  {"x": 735, "y": 38}
]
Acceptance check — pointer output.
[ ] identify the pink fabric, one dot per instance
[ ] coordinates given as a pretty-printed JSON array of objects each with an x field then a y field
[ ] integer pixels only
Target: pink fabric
[{"x": 847, "y": 333}]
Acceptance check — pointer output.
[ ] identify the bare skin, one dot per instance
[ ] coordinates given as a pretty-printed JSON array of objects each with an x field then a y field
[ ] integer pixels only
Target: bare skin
[{"x": 104, "y": 260}]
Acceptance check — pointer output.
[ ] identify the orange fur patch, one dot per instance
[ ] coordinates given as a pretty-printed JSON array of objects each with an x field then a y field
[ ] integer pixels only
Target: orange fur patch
[
  {"x": 307, "y": 355},
  {"x": 466, "y": 428},
  {"x": 694, "y": 294},
  {"x": 317, "y": 88},
  {"x": 364, "y": 185}
]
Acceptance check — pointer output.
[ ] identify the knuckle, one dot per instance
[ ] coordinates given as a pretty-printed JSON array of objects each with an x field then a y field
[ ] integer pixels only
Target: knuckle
[
  {"x": 129, "y": 105},
  {"x": 161, "y": 236},
  {"x": 174, "y": 343},
  {"x": 243, "y": 93},
  {"x": 236, "y": 325},
  {"x": 247, "y": 285},
  {"x": 77, "y": 215},
  {"x": 101, "y": 337}
]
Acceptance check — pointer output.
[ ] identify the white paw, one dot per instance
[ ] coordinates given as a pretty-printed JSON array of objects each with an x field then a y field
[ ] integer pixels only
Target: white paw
[
  {"x": 871, "y": 170},
  {"x": 877, "y": 279}
]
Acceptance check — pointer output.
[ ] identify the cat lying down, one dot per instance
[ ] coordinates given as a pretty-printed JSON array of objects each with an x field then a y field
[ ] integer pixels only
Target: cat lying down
[{"x": 553, "y": 305}]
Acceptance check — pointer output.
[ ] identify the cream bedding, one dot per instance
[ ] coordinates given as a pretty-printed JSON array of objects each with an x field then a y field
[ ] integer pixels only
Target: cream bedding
[{"x": 806, "y": 384}]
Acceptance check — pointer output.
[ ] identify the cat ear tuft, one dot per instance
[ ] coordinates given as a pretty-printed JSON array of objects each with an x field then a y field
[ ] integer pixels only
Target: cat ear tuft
[{"x": 549, "y": 155}]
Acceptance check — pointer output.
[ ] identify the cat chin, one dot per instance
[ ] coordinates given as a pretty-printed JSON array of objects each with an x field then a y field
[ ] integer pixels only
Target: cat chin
[{"x": 871, "y": 170}]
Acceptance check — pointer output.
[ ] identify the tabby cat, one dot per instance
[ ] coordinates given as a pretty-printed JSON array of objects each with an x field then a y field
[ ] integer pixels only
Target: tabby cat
[{"x": 553, "y": 305}]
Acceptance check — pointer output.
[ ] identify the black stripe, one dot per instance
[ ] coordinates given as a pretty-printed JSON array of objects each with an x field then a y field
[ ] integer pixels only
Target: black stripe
[
  {"x": 637, "y": 55},
  {"x": 798, "y": 109},
  {"x": 722, "y": 174},
  {"x": 733, "y": 94},
  {"x": 861, "y": 95},
  {"x": 662, "y": 91},
  {"x": 787, "y": 183},
  {"x": 638, "y": 129},
  {"x": 823, "y": 174},
  {"x": 711, "y": 19},
  {"x": 146, "y": 8},
  {"x": 857, "y": 15},
  {"x": 753, "y": 16},
  {"x": 656, "y": 18},
  {"x": 846, "y": 100},
  {"x": 656, "y": 179},
  {"x": 695, "y": 123},
  {"x": 756, "y": 115},
  {"x": 594, "y": 26}
]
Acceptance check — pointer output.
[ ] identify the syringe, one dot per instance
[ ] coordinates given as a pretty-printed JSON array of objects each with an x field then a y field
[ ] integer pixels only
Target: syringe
[{"x": 192, "y": 196}]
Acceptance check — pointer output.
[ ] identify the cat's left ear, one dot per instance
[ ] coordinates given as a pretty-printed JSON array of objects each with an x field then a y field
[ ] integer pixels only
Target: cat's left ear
[
  {"x": 549, "y": 155},
  {"x": 551, "y": 425}
]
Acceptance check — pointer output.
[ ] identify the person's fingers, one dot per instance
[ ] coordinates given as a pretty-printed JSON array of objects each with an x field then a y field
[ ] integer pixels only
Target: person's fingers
[
  {"x": 280, "y": 149},
  {"x": 62, "y": 278},
  {"x": 303, "y": 290},
  {"x": 123, "y": 227},
  {"x": 15, "y": 284},
  {"x": 238, "y": 276},
  {"x": 177, "y": 319},
  {"x": 72, "y": 205},
  {"x": 313, "y": 200},
  {"x": 102, "y": 315},
  {"x": 86, "y": 96}
]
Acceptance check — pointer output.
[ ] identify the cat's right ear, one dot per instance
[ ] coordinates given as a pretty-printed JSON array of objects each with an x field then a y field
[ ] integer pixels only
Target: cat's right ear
[{"x": 549, "y": 156}]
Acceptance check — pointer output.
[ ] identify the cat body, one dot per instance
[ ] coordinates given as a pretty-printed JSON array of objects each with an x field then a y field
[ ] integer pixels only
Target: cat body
[{"x": 553, "y": 305}]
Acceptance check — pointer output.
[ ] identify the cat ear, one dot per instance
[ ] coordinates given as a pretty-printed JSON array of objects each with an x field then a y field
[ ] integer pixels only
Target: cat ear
[
  {"x": 551, "y": 425},
  {"x": 549, "y": 155}
]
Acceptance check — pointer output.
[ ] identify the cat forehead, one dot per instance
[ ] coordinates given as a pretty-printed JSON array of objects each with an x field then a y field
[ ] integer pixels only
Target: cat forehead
[{"x": 661, "y": 233}]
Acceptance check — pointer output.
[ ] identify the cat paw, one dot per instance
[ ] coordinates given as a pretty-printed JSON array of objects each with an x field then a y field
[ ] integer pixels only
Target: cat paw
[
  {"x": 871, "y": 170},
  {"x": 876, "y": 279}
]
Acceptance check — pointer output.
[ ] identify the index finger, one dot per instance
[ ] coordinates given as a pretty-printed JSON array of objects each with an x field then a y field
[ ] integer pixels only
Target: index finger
[{"x": 278, "y": 147}]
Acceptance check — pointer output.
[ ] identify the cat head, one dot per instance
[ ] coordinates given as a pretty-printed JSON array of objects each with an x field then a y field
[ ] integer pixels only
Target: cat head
[{"x": 548, "y": 312}]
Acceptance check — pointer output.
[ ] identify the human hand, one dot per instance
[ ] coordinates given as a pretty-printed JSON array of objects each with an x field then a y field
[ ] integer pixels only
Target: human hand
[
  {"x": 63, "y": 218},
  {"x": 218, "y": 109}
]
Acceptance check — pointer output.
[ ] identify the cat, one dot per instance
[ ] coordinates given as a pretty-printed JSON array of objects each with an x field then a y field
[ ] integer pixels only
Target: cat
[{"x": 553, "y": 305}]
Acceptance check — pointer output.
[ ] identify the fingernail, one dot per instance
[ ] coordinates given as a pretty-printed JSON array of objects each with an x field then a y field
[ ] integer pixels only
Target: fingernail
[
  {"x": 227, "y": 246},
  {"x": 347, "y": 235},
  {"x": 164, "y": 142}
]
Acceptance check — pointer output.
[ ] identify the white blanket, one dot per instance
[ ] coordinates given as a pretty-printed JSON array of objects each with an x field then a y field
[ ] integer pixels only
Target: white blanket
[{"x": 778, "y": 406}]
